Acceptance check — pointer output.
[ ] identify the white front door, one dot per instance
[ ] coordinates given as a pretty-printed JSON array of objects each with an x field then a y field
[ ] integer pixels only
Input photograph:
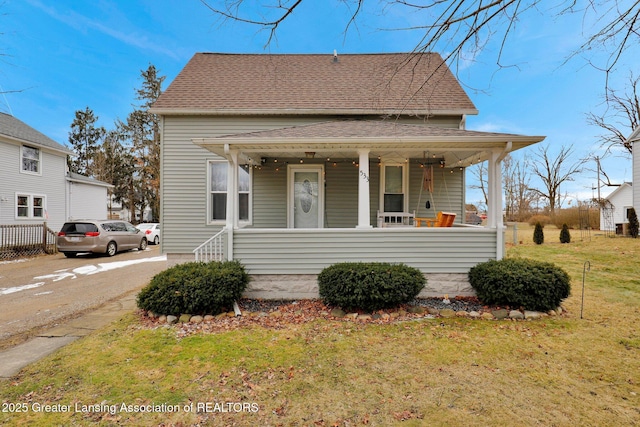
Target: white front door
[{"x": 306, "y": 196}]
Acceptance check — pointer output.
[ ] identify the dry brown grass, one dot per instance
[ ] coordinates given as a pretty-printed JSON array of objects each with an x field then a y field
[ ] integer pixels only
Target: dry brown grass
[{"x": 559, "y": 371}]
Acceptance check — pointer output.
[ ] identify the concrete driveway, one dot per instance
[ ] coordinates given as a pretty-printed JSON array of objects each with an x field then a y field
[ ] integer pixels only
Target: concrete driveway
[{"x": 40, "y": 293}]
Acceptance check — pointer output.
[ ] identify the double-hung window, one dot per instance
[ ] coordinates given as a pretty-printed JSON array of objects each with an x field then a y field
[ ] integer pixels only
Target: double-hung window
[
  {"x": 30, "y": 206},
  {"x": 218, "y": 187},
  {"x": 30, "y": 160},
  {"x": 393, "y": 187}
]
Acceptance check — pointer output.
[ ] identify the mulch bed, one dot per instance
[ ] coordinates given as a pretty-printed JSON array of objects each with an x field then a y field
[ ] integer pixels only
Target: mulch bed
[{"x": 279, "y": 314}]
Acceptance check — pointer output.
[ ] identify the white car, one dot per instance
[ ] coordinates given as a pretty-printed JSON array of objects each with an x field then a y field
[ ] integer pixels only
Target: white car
[{"x": 151, "y": 230}]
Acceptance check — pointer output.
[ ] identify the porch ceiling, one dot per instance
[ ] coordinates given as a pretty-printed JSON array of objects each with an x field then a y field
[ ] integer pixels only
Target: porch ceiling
[{"x": 343, "y": 138}]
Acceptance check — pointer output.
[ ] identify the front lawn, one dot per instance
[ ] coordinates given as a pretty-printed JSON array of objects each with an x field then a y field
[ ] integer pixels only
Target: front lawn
[{"x": 562, "y": 371}]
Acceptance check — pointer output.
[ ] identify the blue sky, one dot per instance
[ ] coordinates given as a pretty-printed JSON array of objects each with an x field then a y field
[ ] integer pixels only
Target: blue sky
[{"x": 62, "y": 56}]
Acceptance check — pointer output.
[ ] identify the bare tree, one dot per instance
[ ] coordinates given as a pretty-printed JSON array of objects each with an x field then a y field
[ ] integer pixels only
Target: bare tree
[
  {"x": 553, "y": 172},
  {"x": 463, "y": 27},
  {"x": 621, "y": 117},
  {"x": 517, "y": 188},
  {"x": 479, "y": 172}
]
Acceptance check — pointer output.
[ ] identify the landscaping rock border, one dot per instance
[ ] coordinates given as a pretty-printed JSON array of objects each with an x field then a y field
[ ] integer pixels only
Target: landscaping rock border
[{"x": 280, "y": 313}]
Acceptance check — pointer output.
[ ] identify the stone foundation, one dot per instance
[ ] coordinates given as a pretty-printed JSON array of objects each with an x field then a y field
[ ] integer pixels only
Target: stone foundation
[{"x": 305, "y": 286}]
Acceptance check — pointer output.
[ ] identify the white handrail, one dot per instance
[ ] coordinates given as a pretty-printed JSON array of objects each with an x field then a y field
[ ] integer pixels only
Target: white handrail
[{"x": 212, "y": 249}]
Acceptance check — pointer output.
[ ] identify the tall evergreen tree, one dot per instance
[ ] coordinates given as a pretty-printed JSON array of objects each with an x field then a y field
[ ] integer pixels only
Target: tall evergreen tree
[
  {"x": 115, "y": 166},
  {"x": 85, "y": 139},
  {"x": 143, "y": 132}
]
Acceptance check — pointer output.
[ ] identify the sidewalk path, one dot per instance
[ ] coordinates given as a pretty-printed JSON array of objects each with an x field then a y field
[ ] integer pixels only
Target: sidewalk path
[{"x": 12, "y": 360}]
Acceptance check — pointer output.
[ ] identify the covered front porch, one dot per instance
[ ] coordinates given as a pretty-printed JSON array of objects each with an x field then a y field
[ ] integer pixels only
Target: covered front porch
[{"x": 350, "y": 171}]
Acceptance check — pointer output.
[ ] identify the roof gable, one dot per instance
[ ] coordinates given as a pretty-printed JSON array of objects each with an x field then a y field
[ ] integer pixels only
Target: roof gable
[
  {"x": 17, "y": 130},
  {"x": 400, "y": 83}
]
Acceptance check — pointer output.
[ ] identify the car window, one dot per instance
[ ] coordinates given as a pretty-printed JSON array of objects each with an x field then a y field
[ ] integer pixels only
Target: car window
[{"x": 79, "y": 227}]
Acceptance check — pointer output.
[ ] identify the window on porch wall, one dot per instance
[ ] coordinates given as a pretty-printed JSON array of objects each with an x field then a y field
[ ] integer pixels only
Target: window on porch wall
[
  {"x": 394, "y": 188},
  {"x": 218, "y": 191}
]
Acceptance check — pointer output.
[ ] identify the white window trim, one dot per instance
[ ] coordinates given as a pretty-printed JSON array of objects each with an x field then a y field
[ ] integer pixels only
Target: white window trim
[
  {"x": 30, "y": 207},
  {"x": 223, "y": 222},
  {"x": 39, "y": 172},
  {"x": 405, "y": 183}
]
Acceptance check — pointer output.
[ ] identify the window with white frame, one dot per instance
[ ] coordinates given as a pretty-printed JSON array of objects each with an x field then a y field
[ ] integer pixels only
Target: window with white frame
[
  {"x": 393, "y": 188},
  {"x": 218, "y": 186},
  {"x": 30, "y": 206},
  {"x": 30, "y": 160}
]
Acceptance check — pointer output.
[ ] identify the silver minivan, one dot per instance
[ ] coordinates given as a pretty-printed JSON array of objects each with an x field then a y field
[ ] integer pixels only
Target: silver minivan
[{"x": 103, "y": 237}]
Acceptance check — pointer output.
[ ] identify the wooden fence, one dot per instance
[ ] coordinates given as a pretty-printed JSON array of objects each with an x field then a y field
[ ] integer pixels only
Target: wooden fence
[{"x": 19, "y": 240}]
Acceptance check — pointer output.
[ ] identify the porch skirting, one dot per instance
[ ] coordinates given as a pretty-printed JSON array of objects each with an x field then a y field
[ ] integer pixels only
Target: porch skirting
[{"x": 305, "y": 286}]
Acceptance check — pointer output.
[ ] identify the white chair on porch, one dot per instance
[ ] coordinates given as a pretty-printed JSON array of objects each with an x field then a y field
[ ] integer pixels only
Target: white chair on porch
[{"x": 395, "y": 219}]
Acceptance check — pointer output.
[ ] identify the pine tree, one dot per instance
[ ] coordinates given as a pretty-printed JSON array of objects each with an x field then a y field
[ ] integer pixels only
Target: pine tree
[
  {"x": 538, "y": 234},
  {"x": 633, "y": 223},
  {"x": 565, "y": 236},
  {"x": 85, "y": 138},
  {"x": 142, "y": 129}
]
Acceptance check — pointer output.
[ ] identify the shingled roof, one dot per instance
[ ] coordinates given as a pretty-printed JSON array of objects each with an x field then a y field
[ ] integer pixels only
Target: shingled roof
[
  {"x": 400, "y": 83},
  {"x": 17, "y": 130}
]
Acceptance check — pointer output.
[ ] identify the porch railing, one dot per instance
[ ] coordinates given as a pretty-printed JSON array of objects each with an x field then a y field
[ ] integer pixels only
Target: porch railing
[
  {"x": 212, "y": 249},
  {"x": 18, "y": 240}
]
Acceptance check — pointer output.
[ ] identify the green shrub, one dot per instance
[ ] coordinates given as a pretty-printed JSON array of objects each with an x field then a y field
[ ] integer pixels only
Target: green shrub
[
  {"x": 194, "y": 288},
  {"x": 633, "y": 223},
  {"x": 565, "y": 236},
  {"x": 533, "y": 285},
  {"x": 538, "y": 234},
  {"x": 369, "y": 286}
]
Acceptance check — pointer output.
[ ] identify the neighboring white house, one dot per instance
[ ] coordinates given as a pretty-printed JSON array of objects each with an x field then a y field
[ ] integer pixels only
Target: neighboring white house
[
  {"x": 291, "y": 163},
  {"x": 34, "y": 184},
  {"x": 614, "y": 214},
  {"x": 86, "y": 197}
]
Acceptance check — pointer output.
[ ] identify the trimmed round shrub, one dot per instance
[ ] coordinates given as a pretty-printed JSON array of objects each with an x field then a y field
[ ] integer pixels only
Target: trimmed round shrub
[
  {"x": 369, "y": 286},
  {"x": 194, "y": 288},
  {"x": 519, "y": 282}
]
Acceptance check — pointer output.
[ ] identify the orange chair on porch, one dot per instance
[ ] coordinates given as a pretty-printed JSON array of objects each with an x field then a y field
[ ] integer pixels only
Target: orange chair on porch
[{"x": 442, "y": 219}]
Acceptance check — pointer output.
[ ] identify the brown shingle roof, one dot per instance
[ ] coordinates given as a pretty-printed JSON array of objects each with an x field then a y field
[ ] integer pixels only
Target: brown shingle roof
[
  {"x": 315, "y": 84},
  {"x": 349, "y": 129}
]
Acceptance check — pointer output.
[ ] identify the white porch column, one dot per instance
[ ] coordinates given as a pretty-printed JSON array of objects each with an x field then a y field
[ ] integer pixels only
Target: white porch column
[
  {"x": 494, "y": 183},
  {"x": 232, "y": 198},
  {"x": 364, "y": 208}
]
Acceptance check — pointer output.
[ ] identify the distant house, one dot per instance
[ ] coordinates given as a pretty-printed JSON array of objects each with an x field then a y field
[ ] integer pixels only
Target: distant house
[
  {"x": 291, "y": 163},
  {"x": 615, "y": 214},
  {"x": 34, "y": 184}
]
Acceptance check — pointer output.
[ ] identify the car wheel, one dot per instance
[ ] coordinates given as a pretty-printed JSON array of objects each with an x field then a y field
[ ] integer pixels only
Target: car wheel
[
  {"x": 143, "y": 244},
  {"x": 156, "y": 240},
  {"x": 112, "y": 248},
  {"x": 70, "y": 254}
]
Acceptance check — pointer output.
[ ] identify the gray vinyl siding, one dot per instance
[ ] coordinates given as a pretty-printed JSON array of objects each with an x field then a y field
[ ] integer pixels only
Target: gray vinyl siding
[
  {"x": 447, "y": 196},
  {"x": 184, "y": 175},
  {"x": 636, "y": 177},
  {"x": 432, "y": 250},
  {"x": 49, "y": 183}
]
